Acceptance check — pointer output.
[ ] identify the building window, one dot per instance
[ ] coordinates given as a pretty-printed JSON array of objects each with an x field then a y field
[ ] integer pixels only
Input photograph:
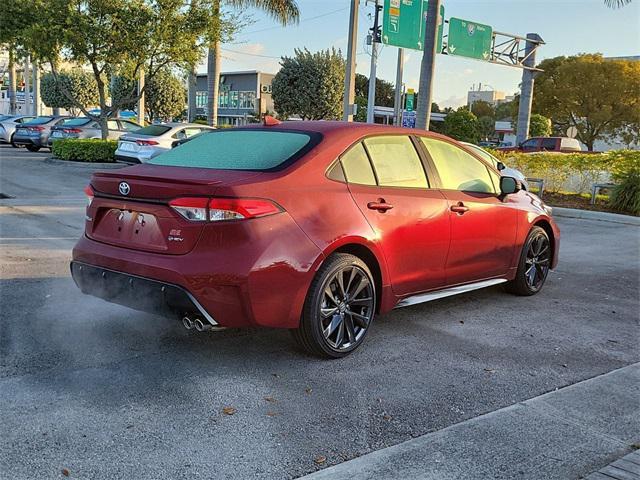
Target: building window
[
  {"x": 248, "y": 100},
  {"x": 223, "y": 99},
  {"x": 201, "y": 99},
  {"x": 233, "y": 99}
]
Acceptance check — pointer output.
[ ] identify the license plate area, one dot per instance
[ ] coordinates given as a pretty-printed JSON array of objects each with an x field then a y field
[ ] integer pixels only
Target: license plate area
[
  {"x": 128, "y": 147},
  {"x": 130, "y": 228}
]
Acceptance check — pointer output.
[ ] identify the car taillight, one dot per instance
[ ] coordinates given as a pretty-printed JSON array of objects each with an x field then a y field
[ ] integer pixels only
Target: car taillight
[
  {"x": 71, "y": 130},
  {"x": 191, "y": 208},
  {"x": 240, "y": 208},
  {"x": 199, "y": 209},
  {"x": 144, "y": 143},
  {"x": 35, "y": 129},
  {"x": 88, "y": 191}
]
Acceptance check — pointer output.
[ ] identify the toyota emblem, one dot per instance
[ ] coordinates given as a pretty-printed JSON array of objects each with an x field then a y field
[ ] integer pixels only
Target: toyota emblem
[{"x": 124, "y": 188}]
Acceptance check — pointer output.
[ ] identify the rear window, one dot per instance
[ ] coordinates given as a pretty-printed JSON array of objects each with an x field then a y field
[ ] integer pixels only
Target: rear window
[
  {"x": 5, "y": 117},
  {"x": 75, "y": 122},
  {"x": 153, "y": 130},
  {"x": 237, "y": 150},
  {"x": 38, "y": 121}
]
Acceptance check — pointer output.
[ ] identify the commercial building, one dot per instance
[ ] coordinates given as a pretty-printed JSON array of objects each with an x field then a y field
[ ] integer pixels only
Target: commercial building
[
  {"x": 242, "y": 96},
  {"x": 493, "y": 97}
]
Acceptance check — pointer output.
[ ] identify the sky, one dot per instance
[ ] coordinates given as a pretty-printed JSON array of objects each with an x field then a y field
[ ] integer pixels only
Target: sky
[{"x": 567, "y": 26}]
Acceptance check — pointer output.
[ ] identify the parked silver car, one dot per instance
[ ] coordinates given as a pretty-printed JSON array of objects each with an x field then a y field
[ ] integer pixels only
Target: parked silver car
[
  {"x": 8, "y": 125},
  {"x": 504, "y": 170},
  {"x": 149, "y": 142},
  {"x": 34, "y": 134},
  {"x": 83, "y": 127}
]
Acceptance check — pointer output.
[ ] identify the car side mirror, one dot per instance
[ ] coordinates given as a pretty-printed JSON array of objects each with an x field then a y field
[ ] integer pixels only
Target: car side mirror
[
  {"x": 509, "y": 185},
  {"x": 501, "y": 166}
]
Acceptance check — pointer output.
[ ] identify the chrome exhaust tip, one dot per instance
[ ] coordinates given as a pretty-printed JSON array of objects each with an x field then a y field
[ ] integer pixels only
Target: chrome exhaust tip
[
  {"x": 201, "y": 326},
  {"x": 187, "y": 323}
]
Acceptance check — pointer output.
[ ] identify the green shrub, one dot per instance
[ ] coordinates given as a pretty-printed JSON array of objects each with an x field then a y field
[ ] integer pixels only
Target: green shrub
[
  {"x": 85, "y": 150},
  {"x": 626, "y": 195}
]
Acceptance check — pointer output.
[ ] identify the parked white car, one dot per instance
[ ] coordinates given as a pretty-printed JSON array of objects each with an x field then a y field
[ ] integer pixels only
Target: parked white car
[
  {"x": 151, "y": 141},
  {"x": 504, "y": 170},
  {"x": 8, "y": 124}
]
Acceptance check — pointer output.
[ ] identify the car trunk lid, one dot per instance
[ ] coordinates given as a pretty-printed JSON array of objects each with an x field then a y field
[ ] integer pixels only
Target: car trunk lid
[{"x": 130, "y": 207}]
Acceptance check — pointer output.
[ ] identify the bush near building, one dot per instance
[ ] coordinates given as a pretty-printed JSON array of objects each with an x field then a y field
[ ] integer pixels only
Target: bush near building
[{"x": 85, "y": 150}]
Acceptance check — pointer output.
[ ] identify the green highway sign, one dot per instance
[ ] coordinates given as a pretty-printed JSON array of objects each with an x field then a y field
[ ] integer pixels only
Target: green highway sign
[
  {"x": 409, "y": 100},
  {"x": 469, "y": 39},
  {"x": 404, "y": 24}
]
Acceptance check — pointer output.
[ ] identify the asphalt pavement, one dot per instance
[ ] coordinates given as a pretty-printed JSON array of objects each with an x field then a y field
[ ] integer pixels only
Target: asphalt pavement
[{"x": 95, "y": 390}]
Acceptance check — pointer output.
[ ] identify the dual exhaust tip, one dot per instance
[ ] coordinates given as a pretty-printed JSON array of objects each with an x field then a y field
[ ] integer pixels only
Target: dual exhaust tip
[{"x": 198, "y": 324}]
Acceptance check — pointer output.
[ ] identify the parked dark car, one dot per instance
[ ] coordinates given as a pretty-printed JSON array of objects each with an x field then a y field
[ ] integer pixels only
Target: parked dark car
[
  {"x": 34, "y": 134},
  {"x": 83, "y": 127},
  {"x": 309, "y": 226}
]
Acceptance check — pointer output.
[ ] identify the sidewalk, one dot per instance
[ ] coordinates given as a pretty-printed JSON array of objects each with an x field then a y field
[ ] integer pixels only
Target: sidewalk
[
  {"x": 565, "y": 434},
  {"x": 627, "y": 468}
]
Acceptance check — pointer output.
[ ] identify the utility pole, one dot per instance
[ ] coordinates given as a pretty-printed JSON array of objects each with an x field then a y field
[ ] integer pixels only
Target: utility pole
[
  {"x": 141, "y": 99},
  {"x": 425, "y": 92},
  {"x": 375, "y": 39},
  {"x": 526, "y": 91},
  {"x": 36, "y": 89},
  {"x": 350, "y": 72},
  {"x": 191, "y": 95},
  {"x": 397, "y": 102},
  {"x": 27, "y": 87}
]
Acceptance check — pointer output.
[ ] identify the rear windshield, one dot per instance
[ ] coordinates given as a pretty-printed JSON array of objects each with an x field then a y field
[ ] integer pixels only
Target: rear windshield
[
  {"x": 5, "y": 117},
  {"x": 238, "y": 150},
  {"x": 38, "y": 121},
  {"x": 153, "y": 130},
  {"x": 75, "y": 122}
]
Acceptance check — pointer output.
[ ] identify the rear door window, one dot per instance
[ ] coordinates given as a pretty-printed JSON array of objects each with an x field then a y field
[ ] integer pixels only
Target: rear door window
[
  {"x": 458, "y": 170},
  {"x": 236, "y": 149},
  {"x": 396, "y": 162},
  {"x": 548, "y": 144},
  {"x": 357, "y": 167}
]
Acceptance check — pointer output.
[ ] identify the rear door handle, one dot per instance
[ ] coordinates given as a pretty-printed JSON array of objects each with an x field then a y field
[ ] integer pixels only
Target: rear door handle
[
  {"x": 460, "y": 208},
  {"x": 380, "y": 205}
]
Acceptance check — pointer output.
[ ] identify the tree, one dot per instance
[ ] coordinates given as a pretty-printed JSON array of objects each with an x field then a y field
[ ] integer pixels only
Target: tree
[
  {"x": 385, "y": 91},
  {"x": 310, "y": 85},
  {"x": 283, "y": 11},
  {"x": 539, "y": 126},
  {"x": 616, "y": 3},
  {"x": 486, "y": 127},
  {"x": 124, "y": 36},
  {"x": 507, "y": 110},
  {"x": 79, "y": 83},
  {"x": 480, "y": 108},
  {"x": 166, "y": 96},
  {"x": 590, "y": 93},
  {"x": 462, "y": 125}
]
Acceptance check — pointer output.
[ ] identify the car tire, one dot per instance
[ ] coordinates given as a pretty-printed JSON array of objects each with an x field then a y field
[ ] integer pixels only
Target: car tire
[
  {"x": 533, "y": 265},
  {"x": 33, "y": 148},
  {"x": 339, "y": 308},
  {"x": 14, "y": 145}
]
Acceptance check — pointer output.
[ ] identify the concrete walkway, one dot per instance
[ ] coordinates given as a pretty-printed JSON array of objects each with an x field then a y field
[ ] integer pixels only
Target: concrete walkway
[
  {"x": 561, "y": 434},
  {"x": 627, "y": 468}
]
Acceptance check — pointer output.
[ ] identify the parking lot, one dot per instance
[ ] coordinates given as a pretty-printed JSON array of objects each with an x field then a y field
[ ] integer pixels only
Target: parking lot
[{"x": 108, "y": 392}]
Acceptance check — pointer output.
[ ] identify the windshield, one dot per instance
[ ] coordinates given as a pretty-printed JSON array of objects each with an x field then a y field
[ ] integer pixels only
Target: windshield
[
  {"x": 485, "y": 155},
  {"x": 38, "y": 121},
  {"x": 75, "y": 122},
  {"x": 237, "y": 150},
  {"x": 153, "y": 130}
]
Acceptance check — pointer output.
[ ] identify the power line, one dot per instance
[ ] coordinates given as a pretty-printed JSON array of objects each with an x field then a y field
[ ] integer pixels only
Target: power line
[
  {"x": 301, "y": 21},
  {"x": 250, "y": 54}
]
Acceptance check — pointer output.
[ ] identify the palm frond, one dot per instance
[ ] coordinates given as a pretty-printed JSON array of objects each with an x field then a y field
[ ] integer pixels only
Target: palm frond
[
  {"x": 616, "y": 3},
  {"x": 284, "y": 11}
]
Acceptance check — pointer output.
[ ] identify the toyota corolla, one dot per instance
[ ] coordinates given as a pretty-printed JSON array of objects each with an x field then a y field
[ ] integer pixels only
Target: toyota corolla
[{"x": 309, "y": 226}]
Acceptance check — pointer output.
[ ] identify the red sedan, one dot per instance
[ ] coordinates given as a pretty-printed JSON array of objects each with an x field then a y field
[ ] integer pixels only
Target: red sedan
[{"x": 310, "y": 226}]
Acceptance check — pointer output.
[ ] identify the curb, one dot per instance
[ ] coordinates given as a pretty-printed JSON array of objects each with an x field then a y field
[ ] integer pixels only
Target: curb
[
  {"x": 57, "y": 161},
  {"x": 599, "y": 216}
]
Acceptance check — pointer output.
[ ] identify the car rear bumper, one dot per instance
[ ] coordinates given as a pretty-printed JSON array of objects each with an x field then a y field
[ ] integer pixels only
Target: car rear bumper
[
  {"x": 136, "y": 292},
  {"x": 38, "y": 141}
]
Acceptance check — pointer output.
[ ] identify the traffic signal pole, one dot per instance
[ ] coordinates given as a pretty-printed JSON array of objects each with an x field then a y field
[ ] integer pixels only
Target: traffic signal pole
[
  {"x": 427, "y": 68},
  {"x": 375, "y": 38},
  {"x": 350, "y": 72}
]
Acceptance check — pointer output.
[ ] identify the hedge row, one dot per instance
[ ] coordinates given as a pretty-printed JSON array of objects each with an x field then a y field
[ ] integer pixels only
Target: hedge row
[
  {"x": 580, "y": 170},
  {"x": 85, "y": 150}
]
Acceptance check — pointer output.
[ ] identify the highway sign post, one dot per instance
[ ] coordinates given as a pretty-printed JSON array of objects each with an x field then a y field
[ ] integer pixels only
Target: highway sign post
[{"x": 469, "y": 39}]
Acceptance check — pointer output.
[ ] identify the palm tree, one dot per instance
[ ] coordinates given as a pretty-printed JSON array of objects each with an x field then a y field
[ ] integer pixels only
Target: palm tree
[
  {"x": 284, "y": 11},
  {"x": 616, "y": 3}
]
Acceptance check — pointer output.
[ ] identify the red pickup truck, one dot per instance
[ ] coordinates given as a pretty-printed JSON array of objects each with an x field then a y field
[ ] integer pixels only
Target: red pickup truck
[{"x": 546, "y": 144}]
